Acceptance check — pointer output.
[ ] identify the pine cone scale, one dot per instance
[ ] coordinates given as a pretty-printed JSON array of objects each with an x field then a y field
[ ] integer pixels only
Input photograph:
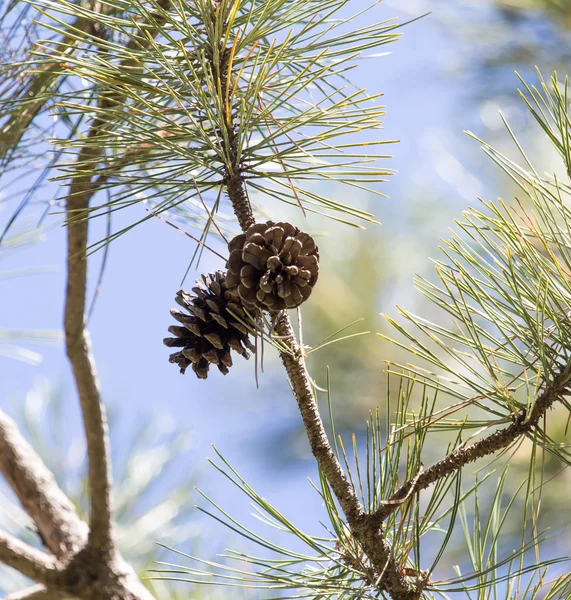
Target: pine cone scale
[
  {"x": 208, "y": 329},
  {"x": 272, "y": 266}
]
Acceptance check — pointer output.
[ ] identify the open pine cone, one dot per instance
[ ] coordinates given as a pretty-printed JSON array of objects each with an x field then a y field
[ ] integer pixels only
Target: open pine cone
[
  {"x": 272, "y": 266},
  {"x": 208, "y": 330}
]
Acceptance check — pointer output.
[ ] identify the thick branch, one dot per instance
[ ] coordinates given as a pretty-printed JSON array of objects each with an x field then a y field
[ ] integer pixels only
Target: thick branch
[
  {"x": 39, "y": 592},
  {"x": 489, "y": 445},
  {"x": 61, "y": 530},
  {"x": 25, "y": 559}
]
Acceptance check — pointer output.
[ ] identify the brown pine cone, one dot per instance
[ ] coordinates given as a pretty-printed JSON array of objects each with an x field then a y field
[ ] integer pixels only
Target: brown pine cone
[
  {"x": 272, "y": 266},
  {"x": 208, "y": 330}
]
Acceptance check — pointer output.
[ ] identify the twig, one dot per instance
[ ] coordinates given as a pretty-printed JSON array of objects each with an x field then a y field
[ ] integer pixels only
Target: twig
[
  {"x": 464, "y": 455},
  {"x": 27, "y": 560},
  {"x": 370, "y": 537},
  {"x": 61, "y": 530}
]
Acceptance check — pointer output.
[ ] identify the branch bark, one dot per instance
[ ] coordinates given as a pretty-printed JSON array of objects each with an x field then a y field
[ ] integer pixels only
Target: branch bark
[
  {"x": 369, "y": 536},
  {"x": 61, "y": 530},
  {"x": 523, "y": 425},
  {"x": 25, "y": 559},
  {"x": 78, "y": 347},
  {"x": 79, "y": 353}
]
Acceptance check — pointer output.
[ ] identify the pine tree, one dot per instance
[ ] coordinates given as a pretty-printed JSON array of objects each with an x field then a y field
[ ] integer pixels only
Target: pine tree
[{"x": 195, "y": 106}]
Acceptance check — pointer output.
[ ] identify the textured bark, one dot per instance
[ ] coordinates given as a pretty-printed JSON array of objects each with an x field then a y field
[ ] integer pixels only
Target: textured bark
[
  {"x": 369, "y": 536},
  {"x": 75, "y": 569},
  {"x": 27, "y": 560},
  {"x": 79, "y": 353},
  {"x": 61, "y": 530},
  {"x": 97, "y": 572},
  {"x": 465, "y": 455},
  {"x": 240, "y": 203},
  {"x": 93, "y": 576},
  {"x": 316, "y": 434}
]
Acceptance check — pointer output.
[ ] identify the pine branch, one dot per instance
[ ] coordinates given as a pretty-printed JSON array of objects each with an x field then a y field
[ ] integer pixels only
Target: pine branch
[
  {"x": 82, "y": 189},
  {"x": 34, "y": 90},
  {"x": 79, "y": 353},
  {"x": 25, "y": 559},
  {"x": 369, "y": 535},
  {"x": 389, "y": 574},
  {"x": 58, "y": 524},
  {"x": 301, "y": 385},
  {"x": 523, "y": 425}
]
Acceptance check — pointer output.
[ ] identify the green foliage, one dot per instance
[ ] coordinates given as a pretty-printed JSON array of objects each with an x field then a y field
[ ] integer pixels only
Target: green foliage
[
  {"x": 505, "y": 284},
  {"x": 333, "y": 565},
  {"x": 170, "y": 88},
  {"x": 184, "y": 100}
]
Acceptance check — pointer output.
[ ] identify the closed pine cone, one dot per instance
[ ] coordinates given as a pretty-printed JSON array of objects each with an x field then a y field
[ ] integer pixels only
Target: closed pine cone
[
  {"x": 208, "y": 330},
  {"x": 273, "y": 266}
]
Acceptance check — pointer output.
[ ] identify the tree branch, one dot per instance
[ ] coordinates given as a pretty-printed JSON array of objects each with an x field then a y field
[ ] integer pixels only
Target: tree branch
[
  {"x": 81, "y": 190},
  {"x": 39, "y": 592},
  {"x": 369, "y": 536},
  {"x": 489, "y": 445},
  {"x": 79, "y": 352},
  {"x": 25, "y": 559},
  {"x": 316, "y": 434},
  {"x": 61, "y": 530}
]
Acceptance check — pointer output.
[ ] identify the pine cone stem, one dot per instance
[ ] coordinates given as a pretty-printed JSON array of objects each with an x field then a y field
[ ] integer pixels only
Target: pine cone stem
[{"x": 240, "y": 202}]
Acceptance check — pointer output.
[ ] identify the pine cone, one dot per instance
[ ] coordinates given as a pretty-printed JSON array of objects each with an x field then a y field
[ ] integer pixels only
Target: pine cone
[
  {"x": 209, "y": 331},
  {"x": 272, "y": 266}
]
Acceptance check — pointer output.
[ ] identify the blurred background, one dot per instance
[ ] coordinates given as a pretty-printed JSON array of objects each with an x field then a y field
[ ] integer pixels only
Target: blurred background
[{"x": 451, "y": 71}]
